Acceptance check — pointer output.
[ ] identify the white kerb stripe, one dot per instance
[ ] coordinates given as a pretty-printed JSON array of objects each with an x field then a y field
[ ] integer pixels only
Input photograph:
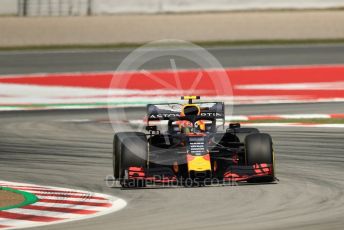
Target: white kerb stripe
[
  {"x": 64, "y": 215},
  {"x": 58, "y": 205}
]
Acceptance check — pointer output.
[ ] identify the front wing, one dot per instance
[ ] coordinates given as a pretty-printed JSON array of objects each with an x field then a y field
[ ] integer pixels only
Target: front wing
[{"x": 235, "y": 173}]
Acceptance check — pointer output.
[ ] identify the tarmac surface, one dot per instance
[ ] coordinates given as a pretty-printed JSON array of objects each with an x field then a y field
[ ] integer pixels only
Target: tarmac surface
[
  {"x": 23, "y": 62},
  {"x": 52, "y": 148}
]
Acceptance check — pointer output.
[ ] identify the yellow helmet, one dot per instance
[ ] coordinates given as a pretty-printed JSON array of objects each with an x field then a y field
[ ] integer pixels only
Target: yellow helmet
[{"x": 200, "y": 125}]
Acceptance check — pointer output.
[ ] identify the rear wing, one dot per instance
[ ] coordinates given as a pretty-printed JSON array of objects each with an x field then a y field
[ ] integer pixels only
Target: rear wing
[{"x": 212, "y": 110}]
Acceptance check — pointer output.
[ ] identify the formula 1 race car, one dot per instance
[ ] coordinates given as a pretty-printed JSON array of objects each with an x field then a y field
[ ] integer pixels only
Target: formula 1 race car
[{"x": 192, "y": 151}]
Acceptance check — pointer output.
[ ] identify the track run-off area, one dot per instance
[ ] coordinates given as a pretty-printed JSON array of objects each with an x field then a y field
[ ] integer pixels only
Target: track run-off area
[{"x": 52, "y": 147}]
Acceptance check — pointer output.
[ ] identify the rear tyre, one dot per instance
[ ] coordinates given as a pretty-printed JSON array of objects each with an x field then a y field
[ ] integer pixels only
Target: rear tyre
[
  {"x": 129, "y": 150},
  {"x": 259, "y": 149},
  {"x": 242, "y": 133}
]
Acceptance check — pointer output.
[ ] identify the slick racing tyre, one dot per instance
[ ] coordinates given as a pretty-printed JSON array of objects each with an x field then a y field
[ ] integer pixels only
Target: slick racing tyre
[
  {"x": 259, "y": 149},
  {"x": 117, "y": 149},
  {"x": 130, "y": 150},
  {"x": 242, "y": 133}
]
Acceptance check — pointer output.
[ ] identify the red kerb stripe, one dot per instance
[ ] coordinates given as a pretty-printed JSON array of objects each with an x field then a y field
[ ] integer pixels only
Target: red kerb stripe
[
  {"x": 72, "y": 196},
  {"x": 58, "y": 209},
  {"x": 10, "y": 215},
  {"x": 76, "y": 202}
]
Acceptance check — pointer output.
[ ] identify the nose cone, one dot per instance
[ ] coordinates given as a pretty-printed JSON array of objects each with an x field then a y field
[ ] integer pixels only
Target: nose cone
[{"x": 199, "y": 163}]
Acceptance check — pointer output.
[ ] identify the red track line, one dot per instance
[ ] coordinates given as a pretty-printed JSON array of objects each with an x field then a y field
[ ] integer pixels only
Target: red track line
[
  {"x": 263, "y": 117},
  {"x": 58, "y": 209},
  {"x": 337, "y": 115},
  {"x": 71, "y": 196},
  {"x": 76, "y": 202},
  {"x": 138, "y": 80},
  {"x": 4, "y": 226},
  {"x": 17, "y": 216}
]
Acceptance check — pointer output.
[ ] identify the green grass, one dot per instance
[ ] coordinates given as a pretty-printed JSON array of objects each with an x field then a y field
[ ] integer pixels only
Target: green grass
[
  {"x": 200, "y": 43},
  {"x": 311, "y": 121}
]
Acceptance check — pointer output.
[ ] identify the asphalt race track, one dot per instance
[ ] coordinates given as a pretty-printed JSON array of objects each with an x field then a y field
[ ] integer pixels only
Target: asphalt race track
[
  {"x": 53, "y": 148},
  {"x": 71, "y": 149},
  {"x": 13, "y": 62}
]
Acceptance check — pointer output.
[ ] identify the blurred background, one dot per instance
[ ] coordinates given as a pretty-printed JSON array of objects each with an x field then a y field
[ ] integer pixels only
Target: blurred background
[
  {"x": 100, "y": 7},
  {"x": 70, "y": 22}
]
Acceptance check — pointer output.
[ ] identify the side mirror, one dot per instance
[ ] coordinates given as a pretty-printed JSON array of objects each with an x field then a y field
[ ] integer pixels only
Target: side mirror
[{"x": 234, "y": 125}]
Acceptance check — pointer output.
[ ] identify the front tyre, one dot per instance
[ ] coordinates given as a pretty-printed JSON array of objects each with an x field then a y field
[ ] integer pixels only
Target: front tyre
[
  {"x": 259, "y": 150},
  {"x": 129, "y": 150},
  {"x": 134, "y": 153}
]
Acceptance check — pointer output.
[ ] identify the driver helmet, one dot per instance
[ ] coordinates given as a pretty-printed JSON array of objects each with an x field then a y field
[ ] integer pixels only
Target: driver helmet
[{"x": 200, "y": 125}]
